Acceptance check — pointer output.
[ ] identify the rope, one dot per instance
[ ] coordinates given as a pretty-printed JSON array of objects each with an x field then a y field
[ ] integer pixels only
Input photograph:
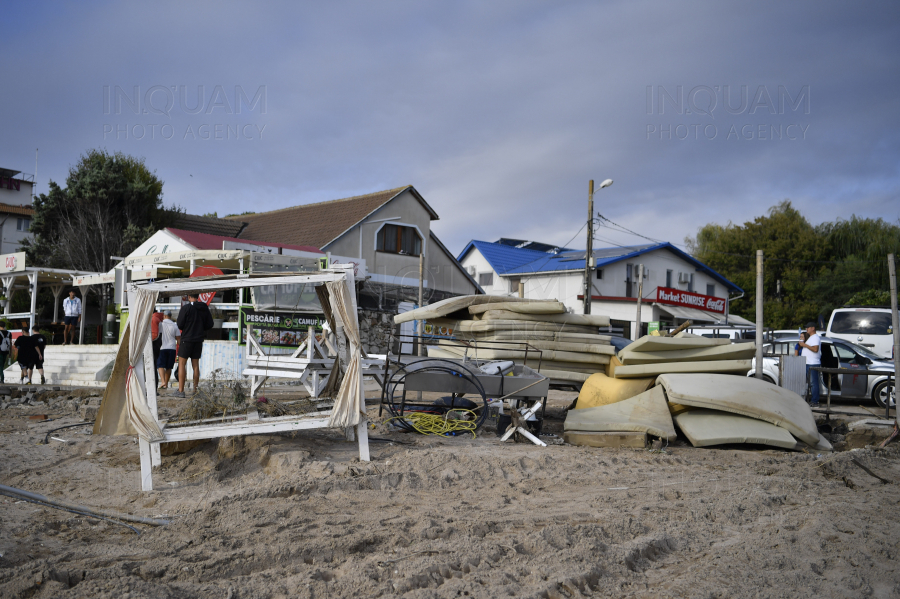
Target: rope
[{"x": 440, "y": 424}]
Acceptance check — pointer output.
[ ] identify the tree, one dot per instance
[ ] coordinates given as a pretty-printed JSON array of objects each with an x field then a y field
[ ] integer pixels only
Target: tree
[
  {"x": 819, "y": 268},
  {"x": 111, "y": 204}
]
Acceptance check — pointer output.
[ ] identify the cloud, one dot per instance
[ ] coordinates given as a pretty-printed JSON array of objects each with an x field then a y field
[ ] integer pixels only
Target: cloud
[{"x": 499, "y": 113}]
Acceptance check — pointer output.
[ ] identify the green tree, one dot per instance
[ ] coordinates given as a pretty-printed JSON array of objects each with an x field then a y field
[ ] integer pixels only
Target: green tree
[
  {"x": 110, "y": 205},
  {"x": 819, "y": 268}
]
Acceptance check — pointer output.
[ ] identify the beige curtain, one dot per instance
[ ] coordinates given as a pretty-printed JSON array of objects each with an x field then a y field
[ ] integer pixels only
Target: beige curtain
[
  {"x": 349, "y": 401},
  {"x": 124, "y": 410}
]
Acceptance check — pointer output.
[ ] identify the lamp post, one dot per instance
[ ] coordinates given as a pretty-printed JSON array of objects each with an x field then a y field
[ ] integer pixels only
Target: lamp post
[{"x": 588, "y": 255}]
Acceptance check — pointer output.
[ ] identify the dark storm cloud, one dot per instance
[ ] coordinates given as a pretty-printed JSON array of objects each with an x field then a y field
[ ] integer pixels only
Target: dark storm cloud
[{"x": 499, "y": 113}]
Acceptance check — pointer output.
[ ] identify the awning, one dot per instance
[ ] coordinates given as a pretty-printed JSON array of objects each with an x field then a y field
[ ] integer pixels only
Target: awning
[{"x": 699, "y": 316}]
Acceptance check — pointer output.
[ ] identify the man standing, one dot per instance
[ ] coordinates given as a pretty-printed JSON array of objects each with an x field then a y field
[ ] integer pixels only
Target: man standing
[
  {"x": 72, "y": 311},
  {"x": 26, "y": 354},
  {"x": 193, "y": 320},
  {"x": 5, "y": 348},
  {"x": 168, "y": 334},
  {"x": 40, "y": 343},
  {"x": 813, "y": 358}
]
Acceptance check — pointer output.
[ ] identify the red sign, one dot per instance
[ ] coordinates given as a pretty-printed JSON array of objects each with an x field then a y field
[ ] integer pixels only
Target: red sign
[
  {"x": 676, "y": 297},
  {"x": 206, "y": 271}
]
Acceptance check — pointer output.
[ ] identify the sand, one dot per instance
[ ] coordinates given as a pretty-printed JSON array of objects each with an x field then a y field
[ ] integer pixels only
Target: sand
[{"x": 297, "y": 515}]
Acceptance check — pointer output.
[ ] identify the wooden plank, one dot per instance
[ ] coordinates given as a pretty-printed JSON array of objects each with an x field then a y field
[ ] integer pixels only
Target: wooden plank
[{"x": 603, "y": 439}]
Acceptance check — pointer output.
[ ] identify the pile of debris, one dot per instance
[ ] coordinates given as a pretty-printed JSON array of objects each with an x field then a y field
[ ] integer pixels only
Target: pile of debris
[
  {"x": 651, "y": 356},
  {"x": 709, "y": 409},
  {"x": 540, "y": 334}
]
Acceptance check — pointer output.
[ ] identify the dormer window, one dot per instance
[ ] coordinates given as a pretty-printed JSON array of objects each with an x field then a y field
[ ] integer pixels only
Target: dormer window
[{"x": 399, "y": 239}]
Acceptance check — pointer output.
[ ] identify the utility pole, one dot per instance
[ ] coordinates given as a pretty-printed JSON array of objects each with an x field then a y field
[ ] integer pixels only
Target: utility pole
[
  {"x": 588, "y": 256},
  {"x": 892, "y": 273},
  {"x": 640, "y": 295}
]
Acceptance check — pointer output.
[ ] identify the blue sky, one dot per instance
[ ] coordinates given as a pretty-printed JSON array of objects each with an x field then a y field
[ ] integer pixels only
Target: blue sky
[{"x": 498, "y": 113}]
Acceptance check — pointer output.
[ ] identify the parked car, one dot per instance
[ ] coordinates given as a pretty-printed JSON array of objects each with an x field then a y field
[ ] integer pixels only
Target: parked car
[
  {"x": 837, "y": 353},
  {"x": 869, "y": 327}
]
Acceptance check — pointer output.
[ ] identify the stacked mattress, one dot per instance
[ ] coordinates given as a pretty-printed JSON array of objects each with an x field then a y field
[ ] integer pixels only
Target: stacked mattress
[
  {"x": 652, "y": 356},
  {"x": 540, "y": 334}
]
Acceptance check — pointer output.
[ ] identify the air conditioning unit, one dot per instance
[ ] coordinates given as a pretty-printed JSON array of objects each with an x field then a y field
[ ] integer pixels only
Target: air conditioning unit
[
  {"x": 684, "y": 277},
  {"x": 471, "y": 270}
]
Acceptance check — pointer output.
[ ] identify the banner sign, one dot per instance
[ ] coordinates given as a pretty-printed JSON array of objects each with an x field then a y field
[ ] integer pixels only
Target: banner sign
[
  {"x": 185, "y": 256},
  {"x": 109, "y": 277},
  {"x": 12, "y": 262},
  {"x": 687, "y": 299},
  {"x": 279, "y": 329}
]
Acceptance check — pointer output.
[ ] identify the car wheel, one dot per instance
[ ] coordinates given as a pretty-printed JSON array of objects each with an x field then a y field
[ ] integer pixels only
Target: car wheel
[{"x": 881, "y": 391}]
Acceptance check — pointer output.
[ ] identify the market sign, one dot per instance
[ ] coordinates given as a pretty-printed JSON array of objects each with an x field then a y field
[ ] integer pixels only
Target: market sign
[
  {"x": 687, "y": 299},
  {"x": 12, "y": 262},
  {"x": 279, "y": 329}
]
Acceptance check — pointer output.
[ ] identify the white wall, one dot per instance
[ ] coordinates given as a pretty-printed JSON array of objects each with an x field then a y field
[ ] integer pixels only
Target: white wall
[{"x": 500, "y": 285}]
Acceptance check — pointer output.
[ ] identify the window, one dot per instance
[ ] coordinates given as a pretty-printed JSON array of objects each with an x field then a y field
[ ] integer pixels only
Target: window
[
  {"x": 629, "y": 270},
  {"x": 23, "y": 224},
  {"x": 397, "y": 239},
  {"x": 514, "y": 284},
  {"x": 599, "y": 273},
  {"x": 486, "y": 278},
  {"x": 710, "y": 289},
  {"x": 861, "y": 323},
  {"x": 669, "y": 278},
  {"x": 844, "y": 354}
]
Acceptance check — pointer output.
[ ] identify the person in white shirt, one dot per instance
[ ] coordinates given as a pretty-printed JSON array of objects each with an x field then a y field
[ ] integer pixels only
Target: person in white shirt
[
  {"x": 72, "y": 314},
  {"x": 168, "y": 334},
  {"x": 813, "y": 357}
]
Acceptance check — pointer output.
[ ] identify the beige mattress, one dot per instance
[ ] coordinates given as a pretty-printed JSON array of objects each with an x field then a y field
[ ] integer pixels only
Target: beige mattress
[
  {"x": 451, "y": 305},
  {"x": 734, "y": 351},
  {"x": 565, "y": 376},
  {"x": 719, "y": 366},
  {"x": 539, "y": 336},
  {"x": 488, "y": 352},
  {"x": 745, "y": 396},
  {"x": 547, "y": 307},
  {"x": 713, "y": 427},
  {"x": 588, "y": 320},
  {"x": 601, "y": 390},
  {"x": 646, "y": 413},
  {"x": 651, "y": 343},
  {"x": 489, "y": 326}
]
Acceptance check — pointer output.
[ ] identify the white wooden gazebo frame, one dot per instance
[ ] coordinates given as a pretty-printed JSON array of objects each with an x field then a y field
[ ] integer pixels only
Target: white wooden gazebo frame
[{"x": 250, "y": 422}]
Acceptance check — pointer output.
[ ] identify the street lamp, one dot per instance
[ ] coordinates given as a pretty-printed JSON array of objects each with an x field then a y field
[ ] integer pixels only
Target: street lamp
[{"x": 588, "y": 256}]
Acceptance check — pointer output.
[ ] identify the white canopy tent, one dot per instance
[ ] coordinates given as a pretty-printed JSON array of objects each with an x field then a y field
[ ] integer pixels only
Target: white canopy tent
[
  {"x": 57, "y": 279},
  {"x": 129, "y": 404}
]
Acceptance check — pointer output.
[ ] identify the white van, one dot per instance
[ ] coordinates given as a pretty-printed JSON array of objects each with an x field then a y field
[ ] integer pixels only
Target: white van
[{"x": 869, "y": 327}]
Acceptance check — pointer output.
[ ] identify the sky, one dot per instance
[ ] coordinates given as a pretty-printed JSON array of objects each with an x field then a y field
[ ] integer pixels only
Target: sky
[{"x": 499, "y": 113}]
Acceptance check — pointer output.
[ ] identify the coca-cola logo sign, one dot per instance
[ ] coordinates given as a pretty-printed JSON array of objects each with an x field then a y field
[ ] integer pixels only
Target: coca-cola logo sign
[
  {"x": 11, "y": 263},
  {"x": 676, "y": 297}
]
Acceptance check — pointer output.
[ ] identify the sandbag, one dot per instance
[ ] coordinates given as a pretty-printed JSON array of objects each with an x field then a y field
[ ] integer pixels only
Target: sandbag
[
  {"x": 646, "y": 413},
  {"x": 601, "y": 390}
]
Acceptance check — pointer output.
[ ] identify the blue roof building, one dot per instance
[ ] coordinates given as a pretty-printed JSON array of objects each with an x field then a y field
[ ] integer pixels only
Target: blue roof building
[{"x": 676, "y": 286}]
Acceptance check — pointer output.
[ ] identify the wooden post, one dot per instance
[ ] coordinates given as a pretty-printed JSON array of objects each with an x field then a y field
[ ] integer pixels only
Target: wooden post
[
  {"x": 892, "y": 272},
  {"x": 588, "y": 255},
  {"x": 419, "y": 323},
  {"x": 640, "y": 295},
  {"x": 759, "y": 314},
  {"x": 33, "y": 279},
  {"x": 521, "y": 289}
]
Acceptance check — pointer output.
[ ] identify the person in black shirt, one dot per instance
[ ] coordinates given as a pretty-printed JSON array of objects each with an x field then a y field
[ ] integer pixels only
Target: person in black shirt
[
  {"x": 194, "y": 320},
  {"x": 41, "y": 344},
  {"x": 26, "y": 353},
  {"x": 6, "y": 345}
]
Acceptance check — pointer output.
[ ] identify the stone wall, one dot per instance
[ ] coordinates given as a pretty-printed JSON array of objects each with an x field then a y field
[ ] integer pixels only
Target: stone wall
[{"x": 375, "y": 329}]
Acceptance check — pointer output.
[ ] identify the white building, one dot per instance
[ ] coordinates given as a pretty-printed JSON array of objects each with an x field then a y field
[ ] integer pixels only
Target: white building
[
  {"x": 676, "y": 286},
  {"x": 16, "y": 211}
]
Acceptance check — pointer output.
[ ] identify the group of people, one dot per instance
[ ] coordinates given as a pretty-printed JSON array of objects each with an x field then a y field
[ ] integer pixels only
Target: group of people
[
  {"x": 808, "y": 347},
  {"x": 27, "y": 350},
  {"x": 181, "y": 341},
  {"x": 172, "y": 342}
]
